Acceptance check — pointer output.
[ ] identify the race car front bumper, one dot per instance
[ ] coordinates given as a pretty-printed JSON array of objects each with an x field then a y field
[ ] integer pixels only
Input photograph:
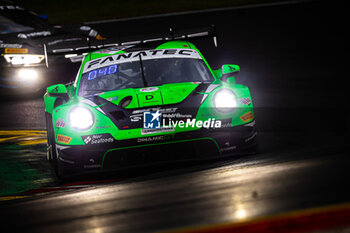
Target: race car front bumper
[{"x": 199, "y": 144}]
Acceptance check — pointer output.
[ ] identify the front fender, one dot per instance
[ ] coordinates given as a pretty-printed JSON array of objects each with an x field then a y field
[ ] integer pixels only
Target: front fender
[
  {"x": 242, "y": 114},
  {"x": 65, "y": 134}
]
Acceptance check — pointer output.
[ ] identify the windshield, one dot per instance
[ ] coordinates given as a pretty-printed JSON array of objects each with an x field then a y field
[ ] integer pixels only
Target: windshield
[
  {"x": 12, "y": 21},
  {"x": 155, "y": 72}
]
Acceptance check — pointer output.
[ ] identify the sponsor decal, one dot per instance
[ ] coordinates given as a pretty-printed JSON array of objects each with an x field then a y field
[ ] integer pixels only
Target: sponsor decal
[
  {"x": 245, "y": 101},
  {"x": 10, "y": 45},
  {"x": 87, "y": 140},
  {"x": 63, "y": 139},
  {"x": 98, "y": 139},
  {"x": 151, "y": 120},
  {"x": 33, "y": 34},
  {"x": 247, "y": 117},
  {"x": 145, "y": 55},
  {"x": 60, "y": 123},
  {"x": 115, "y": 98},
  {"x": 150, "y": 98},
  {"x": 149, "y": 89},
  {"x": 156, "y": 138},
  {"x": 159, "y": 130},
  {"x": 16, "y": 50},
  {"x": 103, "y": 127}
]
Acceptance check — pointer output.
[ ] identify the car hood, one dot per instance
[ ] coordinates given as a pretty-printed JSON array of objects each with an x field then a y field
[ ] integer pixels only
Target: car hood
[
  {"x": 150, "y": 96},
  {"x": 181, "y": 100}
]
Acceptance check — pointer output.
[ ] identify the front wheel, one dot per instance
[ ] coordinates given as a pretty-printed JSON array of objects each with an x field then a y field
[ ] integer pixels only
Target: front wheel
[
  {"x": 256, "y": 147},
  {"x": 51, "y": 148}
]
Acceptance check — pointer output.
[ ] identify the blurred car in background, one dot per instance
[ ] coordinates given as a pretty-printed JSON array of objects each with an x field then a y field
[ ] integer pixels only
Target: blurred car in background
[{"x": 35, "y": 54}]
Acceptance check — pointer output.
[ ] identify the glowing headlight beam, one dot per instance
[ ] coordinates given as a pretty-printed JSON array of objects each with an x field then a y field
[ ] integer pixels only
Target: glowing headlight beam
[
  {"x": 225, "y": 100},
  {"x": 28, "y": 75},
  {"x": 81, "y": 118}
]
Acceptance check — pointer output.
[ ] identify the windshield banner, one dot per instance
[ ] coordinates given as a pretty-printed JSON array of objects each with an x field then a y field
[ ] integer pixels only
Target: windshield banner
[{"x": 145, "y": 55}]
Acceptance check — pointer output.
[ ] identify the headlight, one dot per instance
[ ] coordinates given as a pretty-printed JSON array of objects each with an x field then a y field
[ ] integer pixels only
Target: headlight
[
  {"x": 81, "y": 118},
  {"x": 225, "y": 100},
  {"x": 23, "y": 59},
  {"x": 28, "y": 75}
]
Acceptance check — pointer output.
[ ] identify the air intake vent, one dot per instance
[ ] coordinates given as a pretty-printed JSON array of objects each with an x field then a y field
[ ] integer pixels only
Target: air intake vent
[{"x": 118, "y": 115}]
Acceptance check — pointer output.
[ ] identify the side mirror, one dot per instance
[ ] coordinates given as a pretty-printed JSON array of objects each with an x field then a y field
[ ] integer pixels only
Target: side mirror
[
  {"x": 229, "y": 71},
  {"x": 58, "y": 91}
]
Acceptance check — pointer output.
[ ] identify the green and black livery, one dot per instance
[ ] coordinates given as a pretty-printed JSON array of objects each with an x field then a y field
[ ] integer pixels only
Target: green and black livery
[{"x": 97, "y": 122}]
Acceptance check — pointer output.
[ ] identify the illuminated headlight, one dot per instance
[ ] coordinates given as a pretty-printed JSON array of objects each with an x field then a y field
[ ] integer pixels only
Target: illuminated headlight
[
  {"x": 225, "y": 100},
  {"x": 28, "y": 75},
  {"x": 81, "y": 118},
  {"x": 23, "y": 59}
]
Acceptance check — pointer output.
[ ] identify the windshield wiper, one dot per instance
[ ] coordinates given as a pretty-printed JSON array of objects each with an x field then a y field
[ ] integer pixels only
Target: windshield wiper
[{"x": 143, "y": 74}]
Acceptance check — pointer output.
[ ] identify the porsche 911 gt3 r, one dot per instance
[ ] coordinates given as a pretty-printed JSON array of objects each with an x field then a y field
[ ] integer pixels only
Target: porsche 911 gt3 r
[{"x": 133, "y": 105}]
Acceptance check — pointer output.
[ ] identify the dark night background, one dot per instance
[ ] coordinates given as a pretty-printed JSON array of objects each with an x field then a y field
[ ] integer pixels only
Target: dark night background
[
  {"x": 65, "y": 11},
  {"x": 292, "y": 58}
]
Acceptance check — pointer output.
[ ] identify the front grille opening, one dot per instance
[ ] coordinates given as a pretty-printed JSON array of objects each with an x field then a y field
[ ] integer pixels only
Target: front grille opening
[{"x": 161, "y": 153}]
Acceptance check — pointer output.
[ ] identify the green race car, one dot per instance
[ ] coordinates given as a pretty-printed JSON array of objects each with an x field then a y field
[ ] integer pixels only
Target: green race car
[{"x": 147, "y": 103}]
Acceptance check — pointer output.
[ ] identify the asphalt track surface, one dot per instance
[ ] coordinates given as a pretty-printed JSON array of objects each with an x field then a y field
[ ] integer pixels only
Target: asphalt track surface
[{"x": 292, "y": 59}]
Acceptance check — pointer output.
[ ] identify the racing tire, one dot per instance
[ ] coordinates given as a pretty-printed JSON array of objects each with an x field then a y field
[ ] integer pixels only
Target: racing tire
[
  {"x": 51, "y": 149},
  {"x": 256, "y": 147}
]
